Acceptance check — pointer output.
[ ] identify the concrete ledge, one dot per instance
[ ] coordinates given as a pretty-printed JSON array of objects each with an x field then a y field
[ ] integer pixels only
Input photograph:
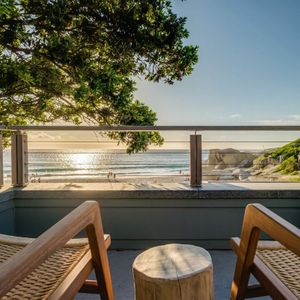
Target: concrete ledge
[{"x": 165, "y": 191}]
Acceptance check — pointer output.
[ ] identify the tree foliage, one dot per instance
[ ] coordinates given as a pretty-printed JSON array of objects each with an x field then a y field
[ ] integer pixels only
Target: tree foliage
[{"x": 77, "y": 61}]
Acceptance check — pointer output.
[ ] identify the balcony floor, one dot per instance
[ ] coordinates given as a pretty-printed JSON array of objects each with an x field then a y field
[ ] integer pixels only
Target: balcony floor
[{"x": 121, "y": 262}]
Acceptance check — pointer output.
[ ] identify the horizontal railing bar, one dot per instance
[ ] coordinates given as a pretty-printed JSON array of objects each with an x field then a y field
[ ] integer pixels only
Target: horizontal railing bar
[
  {"x": 143, "y": 153},
  {"x": 246, "y": 142},
  {"x": 217, "y": 164},
  {"x": 154, "y": 128},
  {"x": 94, "y": 142},
  {"x": 204, "y": 142}
]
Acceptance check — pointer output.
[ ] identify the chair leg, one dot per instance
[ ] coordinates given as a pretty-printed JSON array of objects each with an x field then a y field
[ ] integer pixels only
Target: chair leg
[
  {"x": 239, "y": 284},
  {"x": 100, "y": 259}
]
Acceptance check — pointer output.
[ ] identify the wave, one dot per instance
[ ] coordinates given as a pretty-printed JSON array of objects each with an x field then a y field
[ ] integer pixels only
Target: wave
[{"x": 71, "y": 164}]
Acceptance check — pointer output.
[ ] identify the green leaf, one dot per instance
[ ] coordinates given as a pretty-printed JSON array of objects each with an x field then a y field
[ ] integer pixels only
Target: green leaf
[{"x": 77, "y": 60}]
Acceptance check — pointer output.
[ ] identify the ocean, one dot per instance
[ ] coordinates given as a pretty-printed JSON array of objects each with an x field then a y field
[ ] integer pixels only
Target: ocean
[{"x": 86, "y": 165}]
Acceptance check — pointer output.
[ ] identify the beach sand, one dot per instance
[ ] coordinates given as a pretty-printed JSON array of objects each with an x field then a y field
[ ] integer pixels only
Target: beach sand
[{"x": 142, "y": 179}]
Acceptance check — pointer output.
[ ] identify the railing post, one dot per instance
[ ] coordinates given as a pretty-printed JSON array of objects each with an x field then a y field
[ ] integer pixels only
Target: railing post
[
  {"x": 1, "y": 162},
  {"x": 19, "y": 159},
  {"x": 196, "y": 160}
]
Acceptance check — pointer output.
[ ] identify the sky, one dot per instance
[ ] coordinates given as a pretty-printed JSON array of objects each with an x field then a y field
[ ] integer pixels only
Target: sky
[{"x": 248, "y": 70}]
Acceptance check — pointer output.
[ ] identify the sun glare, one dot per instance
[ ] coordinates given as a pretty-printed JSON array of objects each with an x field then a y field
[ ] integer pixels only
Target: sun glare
[{"x": 81, "y": 159}]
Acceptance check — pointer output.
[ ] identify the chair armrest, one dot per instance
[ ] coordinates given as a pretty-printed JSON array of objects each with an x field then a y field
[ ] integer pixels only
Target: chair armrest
[
  {"x": 235, "y": 244},
  {"x": 86, "y": 216},
  {"x": 24, "y": 241}
]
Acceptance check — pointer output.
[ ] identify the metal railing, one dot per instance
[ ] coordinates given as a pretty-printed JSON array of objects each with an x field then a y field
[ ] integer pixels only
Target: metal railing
[
  {"x": 155, "y": 128},
  {"x": 19, "y": 145}
]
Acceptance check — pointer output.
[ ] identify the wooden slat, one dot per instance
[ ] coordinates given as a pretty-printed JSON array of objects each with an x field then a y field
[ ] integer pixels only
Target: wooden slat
[
  {"x": 14, "y": 172},
  {"x": 195, "y": 160},
  {"x": 100, "y": 259},
  {"x": 19, "y": 159}
]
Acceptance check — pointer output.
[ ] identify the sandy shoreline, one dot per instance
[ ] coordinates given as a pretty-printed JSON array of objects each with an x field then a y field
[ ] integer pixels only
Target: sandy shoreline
[
  {"x": 209, "y": 175},
  {"x": 143, "y": 179}
]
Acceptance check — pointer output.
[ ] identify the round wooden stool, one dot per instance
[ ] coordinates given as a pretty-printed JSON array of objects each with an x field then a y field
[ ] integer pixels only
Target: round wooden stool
[{"x": 173, "y": 272}]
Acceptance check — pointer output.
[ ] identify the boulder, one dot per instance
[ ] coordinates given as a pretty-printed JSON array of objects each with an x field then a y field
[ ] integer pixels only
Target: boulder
[
  {"x": 246, "y": 163},
  {"x": 226, "y": 177},
  {"x": 218, "y": 174},
  {"x": 228, "y": 158},
  {"x": 241, "y": 174}
]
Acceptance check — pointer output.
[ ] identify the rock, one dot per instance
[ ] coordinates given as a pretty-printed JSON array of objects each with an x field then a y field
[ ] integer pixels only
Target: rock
[
  {"x": 236, "y": 172},
  {"x": 259, "y": 163},
  {"x": 226, "y": 158},
  {"x": 241, "y": 174},
  {"x": 226, "y": 177},
  {"x": 246, "y": 163},
  {"x": 244, "y": 175},
  {"x": 220, "y": 166},
  {"x": 217, "y": 174}
]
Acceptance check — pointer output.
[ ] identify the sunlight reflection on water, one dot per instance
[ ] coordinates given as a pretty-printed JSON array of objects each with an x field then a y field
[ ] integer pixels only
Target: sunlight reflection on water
[{"x": 85, "y": 164}]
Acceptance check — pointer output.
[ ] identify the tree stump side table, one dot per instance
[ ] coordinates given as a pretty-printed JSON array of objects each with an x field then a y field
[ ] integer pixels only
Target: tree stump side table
[{"x": 173, "y": 272}]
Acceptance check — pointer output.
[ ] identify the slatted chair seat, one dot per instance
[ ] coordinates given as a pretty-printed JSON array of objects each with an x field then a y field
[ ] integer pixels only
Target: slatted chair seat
[
  {"x": 62, "y": 273},
  {"x": 284, "y": 263},
  {"x": 45, "y": 279}
]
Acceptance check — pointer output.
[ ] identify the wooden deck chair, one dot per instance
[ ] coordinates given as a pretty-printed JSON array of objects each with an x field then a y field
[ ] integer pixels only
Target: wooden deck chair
[
  {"x": 53, "y": 266},
  {"x": 275, "y": 264}
]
